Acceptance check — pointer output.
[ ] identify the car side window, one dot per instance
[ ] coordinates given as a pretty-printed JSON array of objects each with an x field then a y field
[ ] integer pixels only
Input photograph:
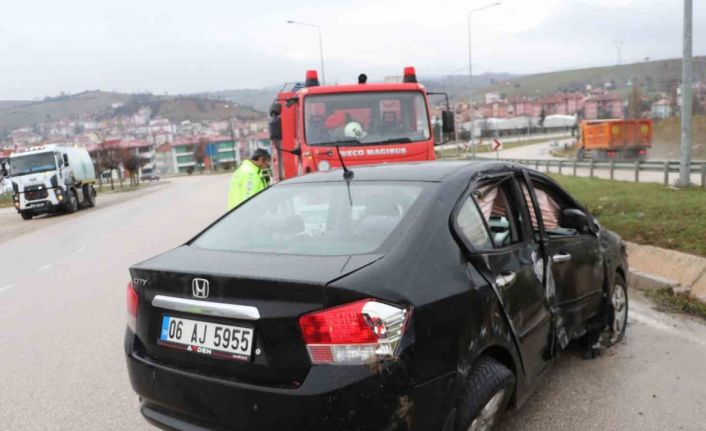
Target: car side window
[
  {"x": 550, "y": 205},
  {"x": 471, "y": 226},
  {"x": 499, "y": 211}
]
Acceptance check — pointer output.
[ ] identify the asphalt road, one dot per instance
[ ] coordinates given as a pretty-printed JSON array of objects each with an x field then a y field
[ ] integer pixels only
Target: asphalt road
[{"x": 62, "y": 319}]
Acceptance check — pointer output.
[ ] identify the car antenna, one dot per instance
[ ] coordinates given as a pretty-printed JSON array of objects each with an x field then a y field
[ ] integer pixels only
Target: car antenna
[{"x": 347, "y": 175}]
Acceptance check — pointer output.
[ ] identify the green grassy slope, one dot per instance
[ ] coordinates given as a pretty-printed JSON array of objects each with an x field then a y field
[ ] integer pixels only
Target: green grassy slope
[{"x": 659, "y": 73}]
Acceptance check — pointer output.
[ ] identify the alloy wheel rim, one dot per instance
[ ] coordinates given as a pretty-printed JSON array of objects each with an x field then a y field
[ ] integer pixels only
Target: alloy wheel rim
[
  {"x": 488, "y": 416},
  {"x": 620, "y": 310}
]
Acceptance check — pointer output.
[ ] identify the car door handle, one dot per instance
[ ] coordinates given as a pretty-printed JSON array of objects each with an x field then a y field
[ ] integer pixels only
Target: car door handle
[
  {"x": 505, "y": 279},
  {"x": 561, "y": 257}
]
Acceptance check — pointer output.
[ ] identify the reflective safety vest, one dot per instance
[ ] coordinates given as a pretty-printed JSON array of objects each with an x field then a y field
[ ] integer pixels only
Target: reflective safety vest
[{"x": 247, "y": 181}]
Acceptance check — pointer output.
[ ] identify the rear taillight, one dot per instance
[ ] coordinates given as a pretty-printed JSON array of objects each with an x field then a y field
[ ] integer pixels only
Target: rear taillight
[
  {"x": 132, "y": 300},
  {"x": 358, "y": 333},
  {"x": 643, "y": 152}
]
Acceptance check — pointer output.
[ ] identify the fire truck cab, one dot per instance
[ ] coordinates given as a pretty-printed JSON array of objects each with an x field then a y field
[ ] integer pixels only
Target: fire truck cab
[{"x": 314, "y": 127}]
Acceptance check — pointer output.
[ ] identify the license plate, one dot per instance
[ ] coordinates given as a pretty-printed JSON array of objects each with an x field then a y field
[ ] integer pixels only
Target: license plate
[{"x": 206, "y": 338}]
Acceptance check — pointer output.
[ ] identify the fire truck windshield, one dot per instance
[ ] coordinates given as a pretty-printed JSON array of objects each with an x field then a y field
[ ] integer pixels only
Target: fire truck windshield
[{"x": 371, "y": 118}]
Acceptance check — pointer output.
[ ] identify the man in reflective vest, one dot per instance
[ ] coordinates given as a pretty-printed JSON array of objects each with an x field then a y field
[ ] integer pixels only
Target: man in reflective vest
[{"x": 248, "y": 179}]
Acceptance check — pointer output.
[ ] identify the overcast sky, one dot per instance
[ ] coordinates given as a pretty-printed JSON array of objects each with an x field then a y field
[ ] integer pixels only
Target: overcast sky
[{"x": 176, "y": 46}]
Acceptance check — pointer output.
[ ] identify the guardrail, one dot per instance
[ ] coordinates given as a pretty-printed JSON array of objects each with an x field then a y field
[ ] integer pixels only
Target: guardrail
[{"x": 666, "y": 167}]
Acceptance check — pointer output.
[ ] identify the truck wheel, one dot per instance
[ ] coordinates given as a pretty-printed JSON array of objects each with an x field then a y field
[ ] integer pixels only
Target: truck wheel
[
  {"x": 26, "y": 215},
  {"x": 580, "y": 154},
  {"x": 485, "y": 396},
  {"x": 72, "y": 202},
  {"x": 89, "y": 196},
  {"x": 617, "y": 319}
]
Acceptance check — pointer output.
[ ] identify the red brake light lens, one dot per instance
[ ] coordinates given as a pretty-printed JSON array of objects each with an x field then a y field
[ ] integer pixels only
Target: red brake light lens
[
  {"x": 357, "y": 333},
  {"x": 338, "y": 325},
  {"x": 132, "y": 300}
]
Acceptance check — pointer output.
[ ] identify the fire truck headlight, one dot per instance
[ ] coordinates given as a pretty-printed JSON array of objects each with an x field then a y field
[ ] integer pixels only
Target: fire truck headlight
[{"x": 324, "y": 165}]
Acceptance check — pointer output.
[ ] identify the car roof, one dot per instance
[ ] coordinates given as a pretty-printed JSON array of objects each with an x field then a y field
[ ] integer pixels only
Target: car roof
[{"x": 437, "y": 171}]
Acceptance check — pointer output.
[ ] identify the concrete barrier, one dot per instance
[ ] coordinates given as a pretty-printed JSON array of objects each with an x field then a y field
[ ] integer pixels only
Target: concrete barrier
[{"x": 654, "y": 267}]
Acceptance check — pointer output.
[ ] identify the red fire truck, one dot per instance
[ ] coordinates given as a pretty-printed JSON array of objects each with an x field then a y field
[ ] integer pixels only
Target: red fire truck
[{"x": 314, "y": 127}]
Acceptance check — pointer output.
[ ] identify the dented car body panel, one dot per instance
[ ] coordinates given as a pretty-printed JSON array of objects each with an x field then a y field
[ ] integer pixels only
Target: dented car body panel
[{"x": 509, "y": 296}]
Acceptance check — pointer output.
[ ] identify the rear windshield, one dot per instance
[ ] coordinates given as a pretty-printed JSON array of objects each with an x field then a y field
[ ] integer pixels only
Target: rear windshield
[{"x": 318, "y": 219}]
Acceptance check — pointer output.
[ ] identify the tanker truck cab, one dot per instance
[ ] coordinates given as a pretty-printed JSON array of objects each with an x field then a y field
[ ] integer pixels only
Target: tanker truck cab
[
  {"x": 313, "y": 127},
  {"x": 50, "y": 179}
]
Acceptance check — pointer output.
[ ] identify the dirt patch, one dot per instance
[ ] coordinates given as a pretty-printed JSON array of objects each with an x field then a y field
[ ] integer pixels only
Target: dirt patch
[{"x": 666, "y": 138}]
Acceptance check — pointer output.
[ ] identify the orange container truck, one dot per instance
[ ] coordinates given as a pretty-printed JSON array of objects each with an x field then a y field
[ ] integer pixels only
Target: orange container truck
[{"x": 614, "y": 139}]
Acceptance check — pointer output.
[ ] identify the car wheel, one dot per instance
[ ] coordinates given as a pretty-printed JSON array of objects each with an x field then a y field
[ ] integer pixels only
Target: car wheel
[
  {"x": 72, "y": 204},
  {"x": 26, "y": 215},
  {"x": 617, "y": 321},
  {"x": 485, "y": 396}
]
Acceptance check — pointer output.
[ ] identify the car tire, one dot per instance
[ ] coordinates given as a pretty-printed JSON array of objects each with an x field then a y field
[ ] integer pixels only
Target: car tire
[
  {"x": 89, "y": 194},
  {"x": 72, "y": 202},
  {"x": 485, "y": 395},
  {"x": 617, "y": 319},
  {"x": 26, "y": 215}
]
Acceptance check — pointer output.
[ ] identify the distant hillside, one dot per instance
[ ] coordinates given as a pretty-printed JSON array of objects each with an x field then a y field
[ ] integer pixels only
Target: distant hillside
[
  {"x": 12, "y": 103},
  {"x": 455, "y": 85},
  {"x": 55, "y": 108},
  {"x": 106, "y": 105},
  {"x": 651, "y": 76}
]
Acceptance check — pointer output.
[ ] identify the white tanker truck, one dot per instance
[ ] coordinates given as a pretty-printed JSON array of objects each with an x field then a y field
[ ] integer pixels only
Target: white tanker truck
[{"x": 51, "y": 178}]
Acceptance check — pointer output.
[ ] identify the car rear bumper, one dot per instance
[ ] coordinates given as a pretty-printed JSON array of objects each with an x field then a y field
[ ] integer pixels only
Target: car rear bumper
[{"x": 330, "y": 398}]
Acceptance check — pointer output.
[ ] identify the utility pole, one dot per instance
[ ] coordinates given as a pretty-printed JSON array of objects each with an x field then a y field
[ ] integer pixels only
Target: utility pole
[
  {"x": 686, "y": 97},
  {"x": 321, "y": 45},
  {"x": 470, "y": 72},
  {"x": 619, "y": 49}
]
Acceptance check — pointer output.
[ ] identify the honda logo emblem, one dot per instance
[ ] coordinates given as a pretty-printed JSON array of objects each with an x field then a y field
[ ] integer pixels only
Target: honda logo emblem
[{"x": 199, "y": 287}]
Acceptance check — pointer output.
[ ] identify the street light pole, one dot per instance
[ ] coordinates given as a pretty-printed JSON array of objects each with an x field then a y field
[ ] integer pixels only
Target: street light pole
[
  {"x": 686, "y": 97},
  {"x": 470, "y": 72},
  {"x": 321, "y": 45}
]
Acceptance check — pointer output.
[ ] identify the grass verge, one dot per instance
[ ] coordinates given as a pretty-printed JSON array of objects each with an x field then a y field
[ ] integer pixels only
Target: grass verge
[
  {"x": 668, "y": 300},
  {"x": 645, "y": 213}
]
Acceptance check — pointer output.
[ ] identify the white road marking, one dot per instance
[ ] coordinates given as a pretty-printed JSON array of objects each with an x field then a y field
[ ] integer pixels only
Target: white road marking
[
  {"x": 664, "y": 327},
  {"x": 7, "y": 286},
  {"x": 80, "y": 249},
  {"x": 45, "y": 267}
]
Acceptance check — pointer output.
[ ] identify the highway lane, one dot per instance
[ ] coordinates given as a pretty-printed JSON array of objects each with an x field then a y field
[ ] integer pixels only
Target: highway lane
[
  {"x": 62, "y": 320},
  {"x": 62, "y": 307}
]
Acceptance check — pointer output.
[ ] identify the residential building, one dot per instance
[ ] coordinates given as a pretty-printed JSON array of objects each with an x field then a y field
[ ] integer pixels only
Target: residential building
[
  {"x": 603, "y": 106},
  {"x": 661, "y": 109}
]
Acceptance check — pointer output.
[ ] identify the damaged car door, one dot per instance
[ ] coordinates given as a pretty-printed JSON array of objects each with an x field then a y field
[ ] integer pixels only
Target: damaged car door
[
  {"x": 575, "y": 275},
  {"x": 511, "y": 260}
]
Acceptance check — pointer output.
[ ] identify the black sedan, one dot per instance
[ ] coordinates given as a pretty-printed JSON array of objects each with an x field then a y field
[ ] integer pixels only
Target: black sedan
[{"x": 409, "y": 297}]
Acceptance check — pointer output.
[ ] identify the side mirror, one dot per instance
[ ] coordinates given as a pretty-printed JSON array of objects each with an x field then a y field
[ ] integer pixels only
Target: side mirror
[
  {"x": 275, "y": 109},
  {"x": 573, "y": 218},
  {"x": 447, "y": 122},
  {"x": 276, "y": 129},
  {"x": 66, "y": 160}
]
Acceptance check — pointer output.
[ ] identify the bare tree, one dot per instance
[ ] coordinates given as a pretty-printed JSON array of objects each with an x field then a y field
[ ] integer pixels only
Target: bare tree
[
  {"x": 132, "y": 164},
  {"x": 200, "y": 153}
]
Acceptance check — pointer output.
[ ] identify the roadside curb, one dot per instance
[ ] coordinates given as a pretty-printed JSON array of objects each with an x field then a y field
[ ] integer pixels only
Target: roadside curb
[{"x": 657, "y": 268}]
